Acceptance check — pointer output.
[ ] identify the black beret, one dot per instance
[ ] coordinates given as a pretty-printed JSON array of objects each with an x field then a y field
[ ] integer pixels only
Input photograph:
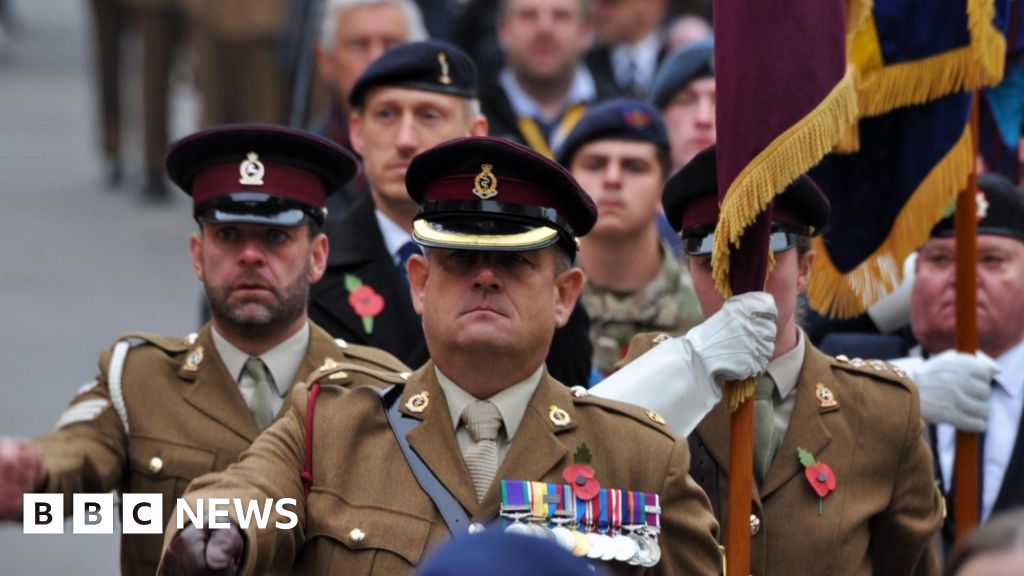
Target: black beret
[
  {"x": 690, "y": 198},
  {"x": 259, "y": 174},
  {"x": 692, "y": 61},
  {"x": 433, "y": 66},
  {"x": 1000, "y": 205},
  {"x": 618, "y": 119},
  {"x": 484, "y": 193}
]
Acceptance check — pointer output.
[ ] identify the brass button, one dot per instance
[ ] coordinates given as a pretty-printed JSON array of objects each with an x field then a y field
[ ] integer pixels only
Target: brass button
[
  {"x": 156, "y": 465},
  {"x": 755, "y": 524},
  {"x": 357, "y": 535}
]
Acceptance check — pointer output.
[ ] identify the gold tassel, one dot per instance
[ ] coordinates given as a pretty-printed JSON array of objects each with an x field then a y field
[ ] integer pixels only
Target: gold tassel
[
  {"x": 785, "y": 159},
  {"x": 736, "y": 391},
  {"x": 839, "y": 295}
]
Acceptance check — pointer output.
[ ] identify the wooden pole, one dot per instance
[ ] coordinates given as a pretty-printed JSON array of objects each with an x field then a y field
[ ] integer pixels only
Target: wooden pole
[
  {"x": 965, "y": 472},
  {"x": 741, "y": 479}
]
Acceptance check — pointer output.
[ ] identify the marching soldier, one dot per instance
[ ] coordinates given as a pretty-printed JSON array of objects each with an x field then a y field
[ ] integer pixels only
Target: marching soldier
[
  {"x": 842, "y": 478},
  {"x": 489, "y": 437},
  {"x": 163, "y": 411}
]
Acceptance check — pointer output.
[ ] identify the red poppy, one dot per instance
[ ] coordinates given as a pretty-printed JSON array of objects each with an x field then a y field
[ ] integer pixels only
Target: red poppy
[
  {"x": 821, "y": 477},
  {"x": 581, "y": 478},
  {"x": 366, "y": 302}
]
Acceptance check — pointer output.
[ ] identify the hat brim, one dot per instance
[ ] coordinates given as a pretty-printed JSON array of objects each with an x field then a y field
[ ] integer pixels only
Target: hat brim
[
  {"x": 482, "y": 234},
  {"x": 263, "y": 209}
]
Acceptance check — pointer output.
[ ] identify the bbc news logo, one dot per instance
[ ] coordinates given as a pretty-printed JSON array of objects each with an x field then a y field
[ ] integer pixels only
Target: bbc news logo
[{"x": 143, "y": 513}]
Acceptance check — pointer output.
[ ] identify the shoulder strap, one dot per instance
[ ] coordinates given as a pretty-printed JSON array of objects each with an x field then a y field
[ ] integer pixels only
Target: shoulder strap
[
  {"x": 114, "y": 373},
  {"x": 454, "y": 515}
]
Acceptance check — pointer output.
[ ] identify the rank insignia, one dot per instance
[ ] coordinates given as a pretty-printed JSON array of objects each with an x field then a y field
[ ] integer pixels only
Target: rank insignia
[
  {"x": 193, "y": 360},
  {"x": 826, "y": 399},
  {"x": 655, "y": 417},
  {"x": 485, "y": 185},
  {"x": 444, "y": 78},
  {"x": 329, "y": 364},
  {"x": 558, "y": 416},
  {"x": 418, "y": 403},
  {"x": 251, "y": 170}
]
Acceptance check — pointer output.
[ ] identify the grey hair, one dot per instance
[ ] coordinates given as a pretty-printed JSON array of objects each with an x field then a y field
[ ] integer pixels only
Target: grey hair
[
  {"x": 333, "y": 9},
  {"x": 586, "y": 8}
]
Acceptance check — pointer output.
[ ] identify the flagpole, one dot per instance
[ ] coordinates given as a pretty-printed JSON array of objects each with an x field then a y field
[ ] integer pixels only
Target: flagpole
[
  {"x": 741, "y": 475},
  {"x": 965, "y": 474}
]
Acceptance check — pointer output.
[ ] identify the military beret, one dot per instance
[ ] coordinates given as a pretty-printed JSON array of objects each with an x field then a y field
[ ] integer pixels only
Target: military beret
[
  {"x": 432, "y": 66},
  {"x": 618, "y": 119},
  {"x": 484, "y": 193},
  {"x": 498, "y": 553},
  {"x": 690, "y": 199},
  {"x": 1000, "y": 206},
  {"x": 258, "y": 174},
  {"x": 692, "y": 61}
]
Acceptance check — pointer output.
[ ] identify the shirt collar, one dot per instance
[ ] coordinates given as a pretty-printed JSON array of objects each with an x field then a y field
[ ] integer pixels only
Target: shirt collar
[
  {"x": 583, "y": 89},
  {"x": 785, "y": 369},
  {"x": 511, "y": 402},
  {"x": 282, "y": 360},
  {"x": 643, "y": 55},
  {"x": 394, "y": 235},
  {"x": 1011, "y": 370}
]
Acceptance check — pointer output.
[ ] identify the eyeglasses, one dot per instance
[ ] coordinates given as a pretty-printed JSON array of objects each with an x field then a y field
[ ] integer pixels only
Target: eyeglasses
[{"x": 700, "y": 240}]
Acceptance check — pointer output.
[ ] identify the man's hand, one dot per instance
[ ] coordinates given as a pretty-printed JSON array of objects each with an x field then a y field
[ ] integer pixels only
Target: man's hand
[
  {"x": 954, "y": 388},
  {"x": 204, "y": 551},
  {"x": 21, "y": 470},
  {"x": 737, "y": 342}
]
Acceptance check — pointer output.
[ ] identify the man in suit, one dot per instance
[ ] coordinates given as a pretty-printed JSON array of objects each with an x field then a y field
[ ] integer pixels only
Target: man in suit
[
  {"x": 163, "y": 411},
  {"x": 878, "y": 507},
  {"x": 499, "y": 224},
  {"x": 415, "y": 96},
  {"x": 630, "y": 43},
  {"x": 997, "y": 399}
]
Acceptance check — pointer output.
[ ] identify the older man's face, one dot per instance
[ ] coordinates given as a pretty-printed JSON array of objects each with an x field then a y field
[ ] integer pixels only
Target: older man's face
[
  {"x": 1000, "y": 294},
  {"x": 361, "y": 35}
]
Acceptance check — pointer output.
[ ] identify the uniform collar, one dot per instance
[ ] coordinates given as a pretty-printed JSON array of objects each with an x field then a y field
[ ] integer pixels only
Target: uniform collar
[
  {"x": 511, "y": 402},
  {"x": 394, "y": 235},
  {"x": 583, "y": 90},
  {"x": 282, "y": 360},
  {"x": 785, "y": 369}
]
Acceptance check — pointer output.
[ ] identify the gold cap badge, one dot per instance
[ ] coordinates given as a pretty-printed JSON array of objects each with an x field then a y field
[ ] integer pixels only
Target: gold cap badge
[
  {"x": 251, "y": 170},
  {"x": 193, "y": 360},
  {"x": 826, "y": 399},
  {"x": 444, "y": 78},
  {"x": 485, "y": 185},
  {"x": 418, "y": 403},
  {"x": 558, "y": 416}
]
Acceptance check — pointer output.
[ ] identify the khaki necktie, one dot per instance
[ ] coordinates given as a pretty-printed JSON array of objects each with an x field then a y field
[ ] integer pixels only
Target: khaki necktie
[
  {"x": 764, "y": 426},
  {"x": 483, "y": 421},
  {"x": 261, "y": 399}
]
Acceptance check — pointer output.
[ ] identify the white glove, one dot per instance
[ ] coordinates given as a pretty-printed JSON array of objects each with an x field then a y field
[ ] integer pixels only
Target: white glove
[
  {"x": 954, "y": 388},
  {"x": 737, "y": 342}
]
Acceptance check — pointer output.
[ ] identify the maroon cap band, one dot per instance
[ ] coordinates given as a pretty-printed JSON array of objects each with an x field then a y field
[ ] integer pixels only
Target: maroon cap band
[
  {"x": 508, "y": 191},
  {"x": 704, "y": 212},
  {"x": 281, "y": 180}
]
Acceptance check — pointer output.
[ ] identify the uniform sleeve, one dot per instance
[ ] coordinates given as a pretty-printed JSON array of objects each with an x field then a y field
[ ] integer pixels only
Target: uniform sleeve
[
  {"x": 268, "y": 470},
  {"x": 666, "y": 379},
  {"x": 902, "y": 537},
  {"x": 88, "y": 450},
  {"x": 688, "y": 527}
]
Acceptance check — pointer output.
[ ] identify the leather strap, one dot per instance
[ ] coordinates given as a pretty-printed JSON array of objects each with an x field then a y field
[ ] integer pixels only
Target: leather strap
[{"x": 451, "y": 511}]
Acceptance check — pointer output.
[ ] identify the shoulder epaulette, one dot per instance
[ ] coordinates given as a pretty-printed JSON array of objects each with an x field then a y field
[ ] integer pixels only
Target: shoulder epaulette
[
  {"x": 877, "y": 368},
  {"x": 649, "y": 418},
  {"x": 168, "y": 344},
  {"x": 345, "y": 373},
  {"x": 376, "y": 356}
]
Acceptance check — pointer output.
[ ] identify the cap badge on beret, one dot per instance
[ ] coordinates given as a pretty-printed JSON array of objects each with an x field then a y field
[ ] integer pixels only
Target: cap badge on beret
[
  {"x": 485, "y": 185},
  {"x": 982, "y": 203},
  {"x": 442, "y": 59},
  {"x": 637, "y": 118},
  {"x": 251, "y": 170}
]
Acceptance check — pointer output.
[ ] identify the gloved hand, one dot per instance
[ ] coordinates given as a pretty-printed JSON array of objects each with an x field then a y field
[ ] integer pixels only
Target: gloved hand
[
  {"x": 204, "y": 551},
  {"x": 21, "y": 470},
  {"x": 736, "y": 342},
  {"x": 954, "y": 388}
]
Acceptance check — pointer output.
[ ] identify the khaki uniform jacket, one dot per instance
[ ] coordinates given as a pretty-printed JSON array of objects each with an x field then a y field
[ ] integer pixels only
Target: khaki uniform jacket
[
  {"x": 186, "y": 417},
  {"x": 367, "y": 515},
  {"x": 885, "y": 508}
]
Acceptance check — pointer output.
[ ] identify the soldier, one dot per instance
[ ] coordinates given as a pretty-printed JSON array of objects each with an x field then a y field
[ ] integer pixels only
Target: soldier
[
  {"x": 499, "y": 223},
  {"x": 684, "y": 91},
  {"x": 619, "y": 155},
  {"x": 843, "y": 479},
  {"x": 163, "y": 411}
]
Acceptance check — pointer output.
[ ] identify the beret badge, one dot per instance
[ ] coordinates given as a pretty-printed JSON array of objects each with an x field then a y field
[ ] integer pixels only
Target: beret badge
[{"x": 444, "y": 78}]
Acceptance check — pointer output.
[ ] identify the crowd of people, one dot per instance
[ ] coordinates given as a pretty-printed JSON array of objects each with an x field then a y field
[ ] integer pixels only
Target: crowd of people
[{"x": 476, "y": 295}]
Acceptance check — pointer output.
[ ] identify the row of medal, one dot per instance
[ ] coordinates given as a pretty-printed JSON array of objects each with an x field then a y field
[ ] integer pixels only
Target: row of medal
[{"x": 613, "y": 525}]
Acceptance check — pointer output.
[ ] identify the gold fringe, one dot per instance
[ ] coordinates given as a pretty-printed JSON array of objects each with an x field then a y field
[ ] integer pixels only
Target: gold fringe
[
  {"x": 785, "y": 159},
  {"x": 882, "y": 88},
  {"x": 850, "y": 141},
  {"x": 857, "y": 12},
  {"x": 736, "y": 391},
  {"x": 839, "y": 295}
]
